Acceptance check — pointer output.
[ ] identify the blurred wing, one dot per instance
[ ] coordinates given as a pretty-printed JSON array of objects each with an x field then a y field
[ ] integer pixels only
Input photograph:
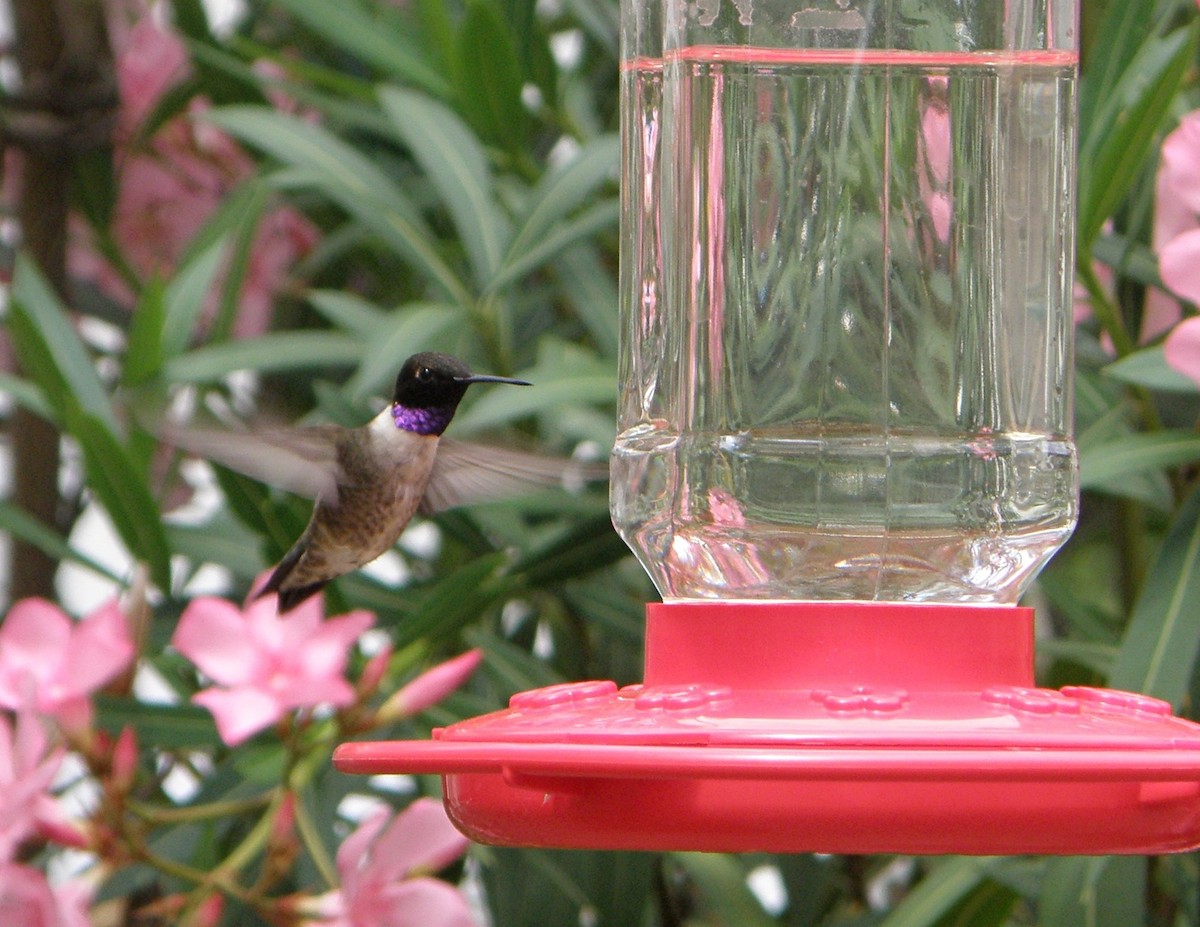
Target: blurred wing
[
  {"x": 300, "y": 460},
  {"x": 467, "y": 473}
]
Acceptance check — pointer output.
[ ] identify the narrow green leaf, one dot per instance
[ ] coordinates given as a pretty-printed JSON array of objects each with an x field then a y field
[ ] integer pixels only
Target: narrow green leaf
[
  {"x": 1131, "y": 259},
  {"x": 339, "y": 171},
  {"x": 438, "y": 28},
  {"x": 1121, "y": 31},
  {"x": 1094, "y": 891},
  {"x": 489, "y": 77},
  {"x": 241, "y": 206},
  {"x": 1125, "y": 127},
  {"x": 585, "y": 547},
  {"x": 301, "y": 144},
  {"x": 335, "y": 406},
  {"x": 588, "y": 284},
  {"x": 26, "y": 394},
  {"x": 415, "y": 327},
  {"x": 50, "y": 350},
  {"x": 144, "y": 348},
  {"x": 1097, "y": 657},
  {"x": 1148, "y": 367},
  {"x": 372, "y": 39},
  {"x": 990, "y": 904},
  {"x": 237, "y": 222},
  {"x": 1106, "y": 415},
  {"x": 184, "y": 298},
  {"x": 566, "y": 188},
  {"x": 601, "y": 20},
  {"x": 348, "y": 311},
  {"x": 1135, "y": 454},
  {"x": 494, "y": 410},
  {"x": 1163, "y": 637},
  {"x": 599, "y": 217},
  {"x": 275, "y": 351},
  {"x": 169, "y": 727},
  {"x": 222, "y": 540},
  {"x": 458, "y": 599},
  {"x": 450, "y": 155},
  {"x": 121, "y": 487},
  {"x": 722, "y": 895},
  {"x": 250, "y": 503},
  {"x": 20, "y": 524},
  {"x": 94, "y": 187},
  {"x": 947, "y": 885},
  {"x": 515, "y": 667},
  {"x": 539, "y": 888},
  {"x": 564, "y": 374}
]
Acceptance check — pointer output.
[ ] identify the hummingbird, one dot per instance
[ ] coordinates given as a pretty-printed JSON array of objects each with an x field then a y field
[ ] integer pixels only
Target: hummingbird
[{"x": 368, "y": 482}]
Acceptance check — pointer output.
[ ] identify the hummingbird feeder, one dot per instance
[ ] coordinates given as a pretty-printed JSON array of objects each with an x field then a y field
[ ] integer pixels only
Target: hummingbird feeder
[{"x": 844, "y": 453}]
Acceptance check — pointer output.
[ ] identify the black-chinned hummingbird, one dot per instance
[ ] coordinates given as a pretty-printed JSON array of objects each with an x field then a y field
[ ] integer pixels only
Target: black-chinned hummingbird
[{"x": 369, "y": 482}]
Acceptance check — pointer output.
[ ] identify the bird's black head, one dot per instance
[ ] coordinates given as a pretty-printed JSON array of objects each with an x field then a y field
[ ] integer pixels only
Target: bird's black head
[{"x": 429, "y": 388}]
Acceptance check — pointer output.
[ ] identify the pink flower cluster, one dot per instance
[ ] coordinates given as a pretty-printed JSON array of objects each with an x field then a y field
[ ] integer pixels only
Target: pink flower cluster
[
  {"x": 49, "y": 668},
  {"x": 55, "y": 664},
  {"x": 263, "y": 668},
  {"x": 170, "y": 180},
  {"x": 264, "y": 665},
  {"x": 1177, "y": 237},
  {"x": 383, "y": 866}
]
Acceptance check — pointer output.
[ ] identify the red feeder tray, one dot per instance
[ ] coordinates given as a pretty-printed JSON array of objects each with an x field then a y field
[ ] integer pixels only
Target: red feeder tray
[{"x": 820, "y": 727}]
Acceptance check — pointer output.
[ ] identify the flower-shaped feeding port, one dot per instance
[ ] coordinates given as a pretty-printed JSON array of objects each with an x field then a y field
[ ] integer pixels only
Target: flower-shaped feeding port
[{"x": 844, "y": 452}]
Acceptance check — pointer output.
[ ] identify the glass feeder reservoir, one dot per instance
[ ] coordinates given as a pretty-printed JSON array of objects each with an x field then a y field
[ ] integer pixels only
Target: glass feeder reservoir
[
  {"x": 847, "y": 298},
  {"x": 844, "y": 451}
]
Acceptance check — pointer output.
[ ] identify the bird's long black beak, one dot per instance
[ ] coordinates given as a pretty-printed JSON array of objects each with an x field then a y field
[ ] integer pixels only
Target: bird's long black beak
[{"x": 488, "y": 378}]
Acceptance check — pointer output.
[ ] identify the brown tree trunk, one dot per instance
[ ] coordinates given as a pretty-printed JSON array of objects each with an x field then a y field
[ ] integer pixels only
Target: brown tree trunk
[{"x": 66, "y": 105}]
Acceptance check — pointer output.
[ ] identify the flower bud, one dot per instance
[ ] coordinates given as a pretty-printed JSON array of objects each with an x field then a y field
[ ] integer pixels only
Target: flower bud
[
  {"x": 124, "y": 760},
  {"x": 374, "y": 670},
  {"x": 430, "y": 687}
]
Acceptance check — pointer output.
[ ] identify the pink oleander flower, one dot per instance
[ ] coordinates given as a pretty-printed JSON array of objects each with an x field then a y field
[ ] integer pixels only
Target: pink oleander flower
[
  {"x": 1182, "y": 348},
  {"x": 1179, "y": 263},
  {"x": 27, "y": 768},
  {"x": 170, "y": 183},
  {"x": 383, "y": 866},
  {"x": 28, "y": 900},
  {"x": 265, "y": 665},
  {"x": 58, "y": 663},
  {"x": 1176, "y": 239},
  {"x": 1177, "y": 209},
  {"x": 150, "y": 62},
  {"x": 430, "y": 687},
  {"x": 1176, "y": 233}
]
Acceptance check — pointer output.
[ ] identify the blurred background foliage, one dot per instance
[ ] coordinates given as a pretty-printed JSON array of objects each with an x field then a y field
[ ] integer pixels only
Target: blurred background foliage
[{"x": 446, "y": 171}]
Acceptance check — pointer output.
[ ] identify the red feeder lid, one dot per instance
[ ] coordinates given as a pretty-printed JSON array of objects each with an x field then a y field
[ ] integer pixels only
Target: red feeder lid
[{"x": 831, "y": 727}]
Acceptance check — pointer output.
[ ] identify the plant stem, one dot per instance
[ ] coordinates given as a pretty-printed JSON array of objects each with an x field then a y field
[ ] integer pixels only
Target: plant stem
[
  {"x": 254, "y": 841},
  {"x": 307, "y": 829},
  {"x": 155, "y": 814},
  {"x": 1103, "y": 308},
  {"x": 215, "y": 879}
]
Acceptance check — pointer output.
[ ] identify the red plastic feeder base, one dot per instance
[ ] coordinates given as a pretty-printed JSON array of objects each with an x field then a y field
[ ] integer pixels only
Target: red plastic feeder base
[{"x": 820, "y": 727}]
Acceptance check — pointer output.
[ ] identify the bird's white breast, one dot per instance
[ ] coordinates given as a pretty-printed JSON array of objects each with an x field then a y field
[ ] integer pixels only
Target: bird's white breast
[{"x": 407, "y": 456}]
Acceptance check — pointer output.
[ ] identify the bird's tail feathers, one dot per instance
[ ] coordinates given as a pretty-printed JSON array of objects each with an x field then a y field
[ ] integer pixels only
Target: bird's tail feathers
[{"x": 289, "y": 598}]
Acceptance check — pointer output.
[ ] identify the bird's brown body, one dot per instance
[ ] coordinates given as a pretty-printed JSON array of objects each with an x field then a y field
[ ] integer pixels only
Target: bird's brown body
[{"x": 384, "y": 472}]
